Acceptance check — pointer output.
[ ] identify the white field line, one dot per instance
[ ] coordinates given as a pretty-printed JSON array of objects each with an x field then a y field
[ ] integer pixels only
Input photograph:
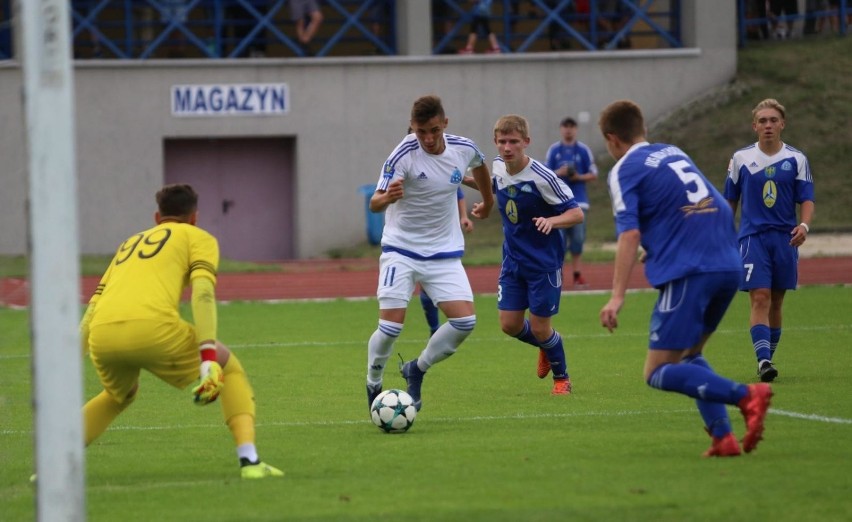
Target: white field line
[
  {"x": 810, "y": 416},
  {"x": 457, "y": 420},
  {"x": 490, "y": 340}
]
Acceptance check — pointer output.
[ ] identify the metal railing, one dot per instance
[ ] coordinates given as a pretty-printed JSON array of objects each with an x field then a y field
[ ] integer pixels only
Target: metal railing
[
  {"x": 756, "y": 22},
  {"x": 144, "y": 29}
]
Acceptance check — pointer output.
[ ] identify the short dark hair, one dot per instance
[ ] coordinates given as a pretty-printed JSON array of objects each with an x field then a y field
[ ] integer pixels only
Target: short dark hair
[
  {"x": 622, "y": 118},
  {"x": 177, "y": 200},
  {"x": 568, "y": 121},
  {"x": 426, "y": 107}
]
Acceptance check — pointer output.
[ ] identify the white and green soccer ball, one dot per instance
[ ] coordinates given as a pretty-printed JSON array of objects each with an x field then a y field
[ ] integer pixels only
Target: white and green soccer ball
[{"x": 393, "y": 411}]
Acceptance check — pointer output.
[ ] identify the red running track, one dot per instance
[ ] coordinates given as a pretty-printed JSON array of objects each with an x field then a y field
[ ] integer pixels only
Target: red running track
[{"x": 317, "y": 279}]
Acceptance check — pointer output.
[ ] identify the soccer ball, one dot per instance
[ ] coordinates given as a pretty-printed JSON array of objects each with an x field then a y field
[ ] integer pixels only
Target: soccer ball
[{"x": 393, "y": 411}]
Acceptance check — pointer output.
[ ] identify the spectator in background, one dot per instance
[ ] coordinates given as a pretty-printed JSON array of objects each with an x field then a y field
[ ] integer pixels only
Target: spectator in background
[
  {"x": 574, "y": 162},
  {"x": 771, "y": 178},
  {"x": 663, "y": 202},
  {"x": 382, "y": 23},
  {"x": 612, "y": 17},
  {"x": 480, "y": 26},
  {"x": 308, "y": 17},
  {"x": 781, "y": 30},
  {"x": 831, "y": 21},
  {"x": 243, "y": 23},
  {"x": 85, "y": 9},
  {"x": 756, "y": 9},
  {"x": 555, "y": 32},
  {"x": 175, "y": 11},
  {"x": 441, "y": 18}
]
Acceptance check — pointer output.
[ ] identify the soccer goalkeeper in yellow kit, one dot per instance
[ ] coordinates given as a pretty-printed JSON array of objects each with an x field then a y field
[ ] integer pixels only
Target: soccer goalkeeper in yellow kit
[{"x": 133, "y": 323}]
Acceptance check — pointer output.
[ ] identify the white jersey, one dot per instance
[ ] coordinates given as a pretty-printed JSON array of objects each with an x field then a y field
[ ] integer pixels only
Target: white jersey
[{"x": 424, "y": 224}]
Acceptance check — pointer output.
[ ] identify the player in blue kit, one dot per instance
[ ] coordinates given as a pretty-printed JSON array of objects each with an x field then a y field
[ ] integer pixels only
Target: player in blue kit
[
  {"x": 770, "y": 178},
  {"x": 422, "y": 241},
  {"x": 533, "y": 203},
  {"x": 573, "y": 161},
  {"x": 661, "y": 200}
]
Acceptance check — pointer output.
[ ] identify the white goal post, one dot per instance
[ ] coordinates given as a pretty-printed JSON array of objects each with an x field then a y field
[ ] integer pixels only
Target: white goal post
[{"x": 48, "y": 91}]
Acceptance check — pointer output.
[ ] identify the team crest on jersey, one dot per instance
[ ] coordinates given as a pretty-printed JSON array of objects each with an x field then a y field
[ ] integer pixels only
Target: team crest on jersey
[
  {"x": 705, "y": 206},
  {"x": 512, "y": 192},
  {"x": 770, "y": 172},
  {"x": 770, "y": 194},
  {"x": 388, "y": 170},
  {"x": 512, "y": 211},
  {"x": 786, "y": 166},
  {"x": 456, "y": 178}
]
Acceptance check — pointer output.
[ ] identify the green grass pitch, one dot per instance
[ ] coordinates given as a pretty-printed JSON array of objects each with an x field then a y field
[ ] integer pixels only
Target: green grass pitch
[{"x": 490, "y": 444}]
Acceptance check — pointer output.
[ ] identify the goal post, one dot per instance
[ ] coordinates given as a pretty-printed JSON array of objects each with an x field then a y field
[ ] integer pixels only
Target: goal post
[{"x": 48, "y": 91}]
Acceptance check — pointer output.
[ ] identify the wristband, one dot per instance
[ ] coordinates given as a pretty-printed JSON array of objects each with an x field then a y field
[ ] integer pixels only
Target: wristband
[
  {"x": 208, "y": 351},
  {"x": 806, "y": 227}
]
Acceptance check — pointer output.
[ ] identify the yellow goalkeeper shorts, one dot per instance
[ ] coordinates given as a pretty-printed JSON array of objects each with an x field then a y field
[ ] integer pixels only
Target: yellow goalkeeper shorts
[{"x": 120, "y": 350}]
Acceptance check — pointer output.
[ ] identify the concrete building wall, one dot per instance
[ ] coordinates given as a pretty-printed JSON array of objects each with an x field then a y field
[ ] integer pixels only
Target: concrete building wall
[{"x": 346, "y": 116}]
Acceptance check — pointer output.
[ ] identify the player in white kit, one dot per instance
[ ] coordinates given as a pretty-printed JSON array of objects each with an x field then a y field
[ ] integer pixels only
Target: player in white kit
[{"x": 422, "y": 241}]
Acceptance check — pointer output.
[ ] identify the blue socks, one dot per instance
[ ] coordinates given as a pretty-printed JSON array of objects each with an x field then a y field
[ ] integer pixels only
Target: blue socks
[
  {"x": 526, "y": 335},
  {"x": 430, "y": 311},
  {"x": 553, "y": 349},
  {"x": 555, "y": 353},
  {"x": 774, "y": 338},
  {"x": 760, "y": 340},
  {"x": 697, "y": 381},
  {"x": 715, "y": 414}
]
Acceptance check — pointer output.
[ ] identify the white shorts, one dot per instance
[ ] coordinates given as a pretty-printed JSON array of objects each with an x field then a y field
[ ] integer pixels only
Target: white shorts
[{"x": 443, "y": 279}]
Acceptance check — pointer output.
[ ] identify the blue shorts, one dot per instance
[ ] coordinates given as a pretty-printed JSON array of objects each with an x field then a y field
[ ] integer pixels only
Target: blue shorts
[
  {"x": 690, "y": 307},
  {"x": 575, "y": 237},
  {"x": 769, "y": 261},
  {"x": 537, "y": 291}
]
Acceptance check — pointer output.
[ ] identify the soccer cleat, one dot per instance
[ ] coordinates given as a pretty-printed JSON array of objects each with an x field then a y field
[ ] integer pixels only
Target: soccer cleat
[
  {"x": 766, "y": 371},
  {"x": 414, "y": 378},
  {"x": 258, "y": 470},
  {"x": 754, "y": 407},
  {"x": 726, "y": 446},
  {"x": 373, "y": 391},
  {"x": 561, "y": 387},
  {"x": 580, "y": 282},
  {"x": 543, "y": 364}
]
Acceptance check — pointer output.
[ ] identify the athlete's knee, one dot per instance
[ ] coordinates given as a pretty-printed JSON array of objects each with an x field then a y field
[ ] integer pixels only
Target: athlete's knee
[
  {"x": 760, "y": 298},
  {"x": 511, "y": 326},
  {"x": 464, "y": 325},
  {"x": 654, "y": 376}
]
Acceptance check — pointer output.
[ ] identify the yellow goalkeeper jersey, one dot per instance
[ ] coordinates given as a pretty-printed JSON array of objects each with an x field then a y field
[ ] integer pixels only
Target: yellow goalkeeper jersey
[{"x": 147, "y": 276}]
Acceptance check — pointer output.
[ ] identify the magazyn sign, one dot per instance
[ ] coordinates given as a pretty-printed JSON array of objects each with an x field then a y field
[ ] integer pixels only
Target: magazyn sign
[{"x": 259, "y": 99}]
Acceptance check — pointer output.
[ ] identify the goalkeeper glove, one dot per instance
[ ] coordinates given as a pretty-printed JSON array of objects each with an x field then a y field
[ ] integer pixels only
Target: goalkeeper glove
[{"x": 212, "y": 382}]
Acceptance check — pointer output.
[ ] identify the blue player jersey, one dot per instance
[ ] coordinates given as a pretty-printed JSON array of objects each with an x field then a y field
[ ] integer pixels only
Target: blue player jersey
[
  {"x": 769, "y": 186},
  {"x": 577, "y": 156},
  {"x": 533, "y": 192},
  {"x": 686, "y": 226}
]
